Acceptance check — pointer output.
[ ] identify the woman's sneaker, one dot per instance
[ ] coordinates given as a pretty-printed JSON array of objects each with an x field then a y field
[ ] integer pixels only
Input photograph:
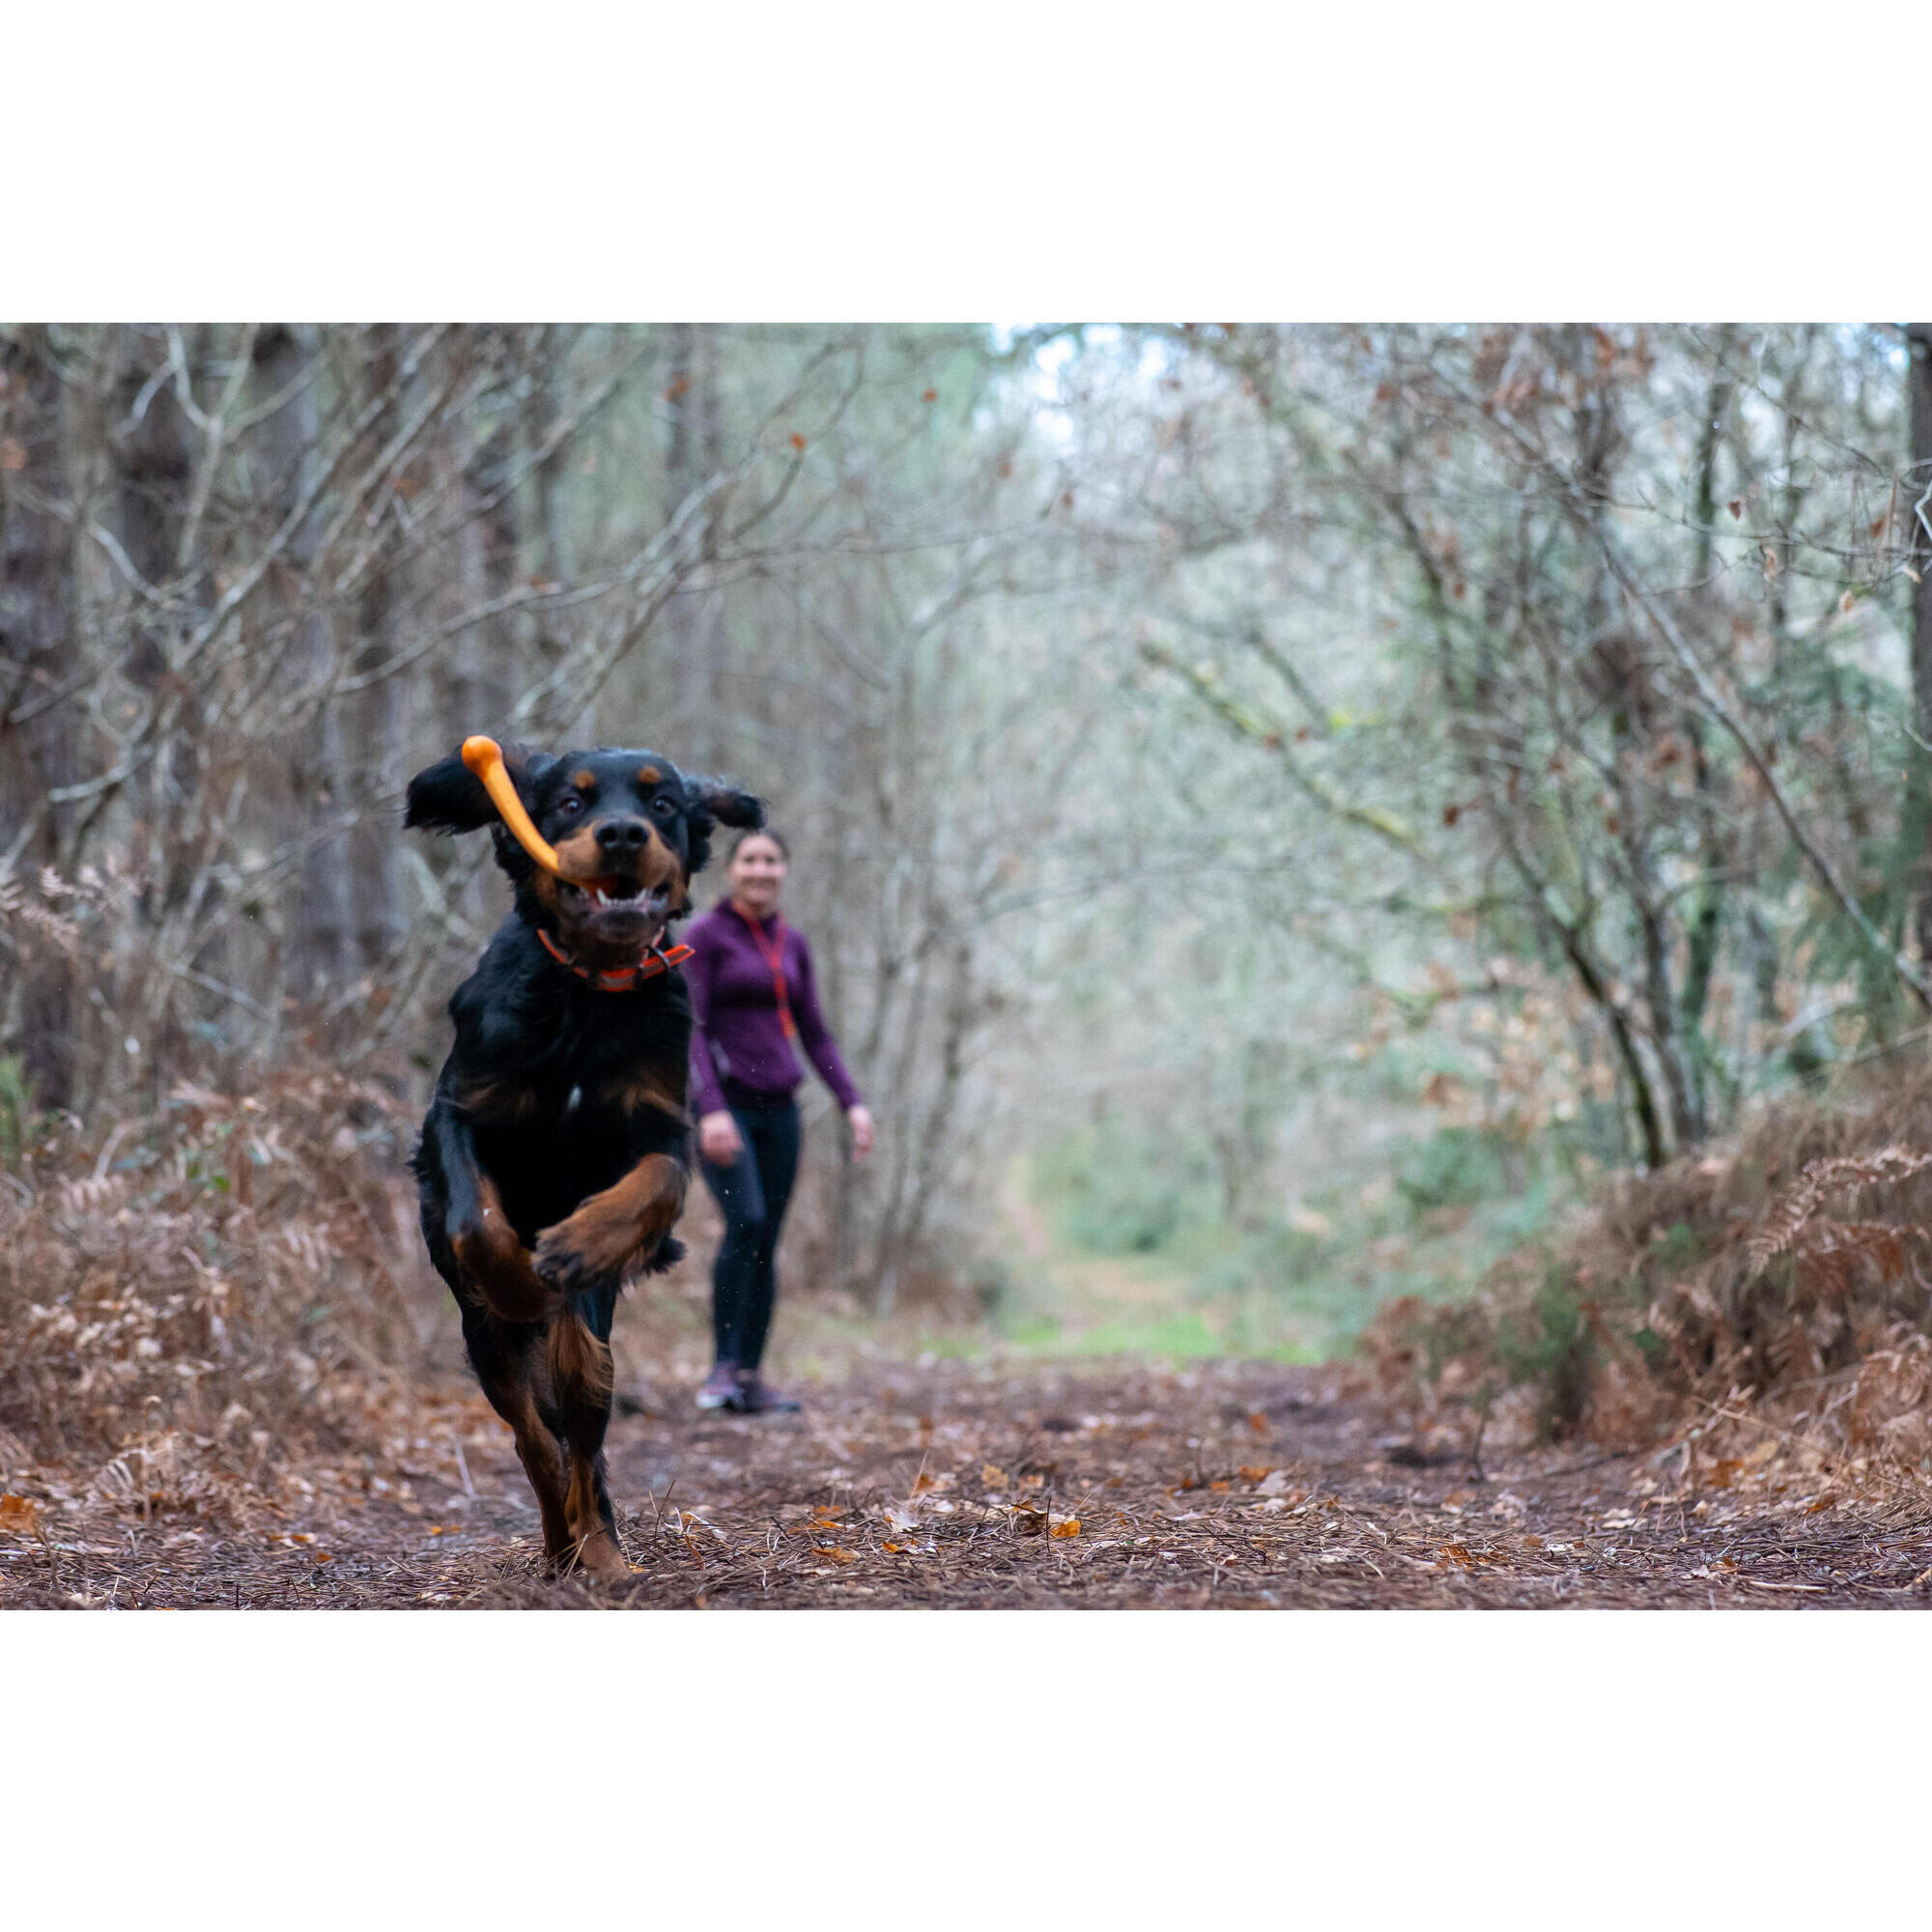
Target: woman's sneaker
[
  {"x": 755, "y": 1396},
  {"x": 720, "y": 1391}
]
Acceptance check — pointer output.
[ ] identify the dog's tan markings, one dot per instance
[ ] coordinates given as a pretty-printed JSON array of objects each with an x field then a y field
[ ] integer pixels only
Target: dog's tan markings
[
  {"x": 593, "y": 1548},
  {"x": 495, "y": 1100},
  {"x": 543, "y": 1464},
  {"x": 498, "y": 1264},
  {"x": 580, "y": 857},
  {"x": 632, "y": 1093},
  {"x": 660, "y": 870},
  {"x": 617, "y": 1227},
  {"x": 649, "y": 774},
  {"x": 580, "y": 1373},
  {"x": 584, "y": 779}
]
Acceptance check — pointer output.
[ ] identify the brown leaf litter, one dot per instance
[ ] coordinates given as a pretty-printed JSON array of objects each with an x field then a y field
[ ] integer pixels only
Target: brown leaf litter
[{"x": 1157, "y": 1493}]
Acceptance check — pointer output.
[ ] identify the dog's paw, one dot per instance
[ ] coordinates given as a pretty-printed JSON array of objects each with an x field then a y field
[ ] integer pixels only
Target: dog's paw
[
  {"x": 601, "y": 1560},
  {"x": 563, "y": 1267}
]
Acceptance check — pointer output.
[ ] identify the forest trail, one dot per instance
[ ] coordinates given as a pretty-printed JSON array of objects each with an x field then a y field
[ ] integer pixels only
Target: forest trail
[{"x": 978, "y": 1485}]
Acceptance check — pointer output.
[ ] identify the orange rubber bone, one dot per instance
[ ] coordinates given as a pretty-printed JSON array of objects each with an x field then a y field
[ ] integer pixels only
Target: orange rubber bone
[{"x": 485, "y": 757}]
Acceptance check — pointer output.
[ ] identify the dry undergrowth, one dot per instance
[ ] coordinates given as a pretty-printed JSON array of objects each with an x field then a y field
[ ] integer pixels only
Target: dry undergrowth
[
  {"x": 1766, "y": 1306},
  {"x": 200, "y": 1309},
  {"x": 229, "y": 1378}
]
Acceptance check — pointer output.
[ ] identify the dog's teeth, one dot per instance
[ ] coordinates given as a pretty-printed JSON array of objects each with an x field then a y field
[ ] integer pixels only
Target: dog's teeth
[{"x": 601, "y": 899}]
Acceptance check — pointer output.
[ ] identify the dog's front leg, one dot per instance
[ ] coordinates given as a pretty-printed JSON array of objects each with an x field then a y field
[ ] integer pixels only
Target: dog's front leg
[
  {"x": 624, "y": 1226},
  {"x": 486, "y": 1247}
]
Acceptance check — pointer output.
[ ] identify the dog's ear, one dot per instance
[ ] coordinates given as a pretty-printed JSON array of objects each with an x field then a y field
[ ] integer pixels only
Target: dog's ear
[
  {"x": 449, "y": 797},
  {"x": 726, "y": 805},
  {"x": 714, "y": 803}
]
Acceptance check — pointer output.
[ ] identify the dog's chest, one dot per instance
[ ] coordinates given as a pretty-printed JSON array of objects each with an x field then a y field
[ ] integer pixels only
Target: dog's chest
[{"x": 579, "y": 1073}]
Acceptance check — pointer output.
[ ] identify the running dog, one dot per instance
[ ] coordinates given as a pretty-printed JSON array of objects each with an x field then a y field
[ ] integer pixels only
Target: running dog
[{"x": 553, "y": 1160}]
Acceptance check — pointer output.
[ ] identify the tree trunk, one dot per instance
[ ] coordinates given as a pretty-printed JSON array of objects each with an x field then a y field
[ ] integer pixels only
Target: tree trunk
[
  {"x": 152, "y": 444},
  {"x": 39, "y": 652},
  {"x": 317, "y": 946},
  {"x": 697, "y": 628},
  {"x": 1706, "y": 919},
  {"x": 380, "y": 720},
  {"x": 1919, "y": 481}
]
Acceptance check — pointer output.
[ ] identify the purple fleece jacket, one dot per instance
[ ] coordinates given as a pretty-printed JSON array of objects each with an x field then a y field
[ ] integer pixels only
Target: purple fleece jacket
[{"x": 734, "y": 1013}]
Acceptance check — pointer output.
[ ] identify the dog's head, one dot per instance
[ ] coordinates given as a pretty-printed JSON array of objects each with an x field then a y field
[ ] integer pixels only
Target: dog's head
[{"x": 629, "y": 828}]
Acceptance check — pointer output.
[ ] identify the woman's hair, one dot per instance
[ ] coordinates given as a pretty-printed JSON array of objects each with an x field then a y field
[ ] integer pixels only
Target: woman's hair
[{"x": 762, "y": 832}]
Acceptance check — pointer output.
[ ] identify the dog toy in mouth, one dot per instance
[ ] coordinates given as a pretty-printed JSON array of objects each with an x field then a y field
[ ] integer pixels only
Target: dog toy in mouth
[{"x": 485, "y": 757}]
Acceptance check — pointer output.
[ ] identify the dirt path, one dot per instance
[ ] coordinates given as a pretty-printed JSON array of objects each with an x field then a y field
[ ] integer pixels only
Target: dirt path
[{"x": 1238, "y": 1486}]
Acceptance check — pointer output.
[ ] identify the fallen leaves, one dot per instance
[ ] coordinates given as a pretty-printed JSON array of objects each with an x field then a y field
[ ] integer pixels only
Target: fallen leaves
[
  {"x": 833, "y": 1522},
  {"x": 18, "y": 1516}
]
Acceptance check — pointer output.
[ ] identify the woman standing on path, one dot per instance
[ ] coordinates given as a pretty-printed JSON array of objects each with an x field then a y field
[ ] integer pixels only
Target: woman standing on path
[{"x": 753, "y": 1000}]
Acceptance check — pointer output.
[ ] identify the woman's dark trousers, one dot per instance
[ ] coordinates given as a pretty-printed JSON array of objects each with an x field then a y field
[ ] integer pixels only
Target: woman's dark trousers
[{"x": 752, "y": 1193}]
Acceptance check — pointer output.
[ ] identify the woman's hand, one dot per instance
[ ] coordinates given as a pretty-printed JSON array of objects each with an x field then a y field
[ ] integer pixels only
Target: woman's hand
[
  {"x": 719, "y": 1140},
  {"x": 862, "y": 1131}
]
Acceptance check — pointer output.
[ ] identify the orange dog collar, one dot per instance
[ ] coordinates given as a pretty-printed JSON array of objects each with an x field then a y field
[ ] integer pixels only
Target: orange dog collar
[{"x": 627, "y": 979}]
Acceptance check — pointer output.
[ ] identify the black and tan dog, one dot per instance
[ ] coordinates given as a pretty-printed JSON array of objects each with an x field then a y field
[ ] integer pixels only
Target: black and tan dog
[{"x": 555, "y": 1158}]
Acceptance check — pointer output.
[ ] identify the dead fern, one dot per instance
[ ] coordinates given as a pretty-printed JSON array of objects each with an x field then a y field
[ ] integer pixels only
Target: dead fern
[
  {"x": 1711, "y": 1288},
  {"x": 182, "y": 1287},
  {"x": 1829, "y": 1252},
  {"x": 1792, "y": 1226}
]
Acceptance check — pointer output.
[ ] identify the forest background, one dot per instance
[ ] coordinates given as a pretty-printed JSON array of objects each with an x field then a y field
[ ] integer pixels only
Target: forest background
[
  {"x": 1281, "y": 811},
  {"x": 1500, "y": 164}
]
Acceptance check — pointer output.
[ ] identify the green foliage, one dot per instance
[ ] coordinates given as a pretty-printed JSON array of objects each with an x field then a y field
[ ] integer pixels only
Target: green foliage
[
  {"x": 1302, "y": 1285},
  {"x": 1455, "y": 1166},
  {"x": 991, "y": 1280},
  {"x": 16, "y": 1109},
  {"x": 1117, "y": 1191},
  {"x": 1550, "y": 1344}
]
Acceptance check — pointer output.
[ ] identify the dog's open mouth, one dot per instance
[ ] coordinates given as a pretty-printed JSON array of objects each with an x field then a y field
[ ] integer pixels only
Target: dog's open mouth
[
  {"x": 611, "y": 890},
  {"x": 615, "y": 905}
]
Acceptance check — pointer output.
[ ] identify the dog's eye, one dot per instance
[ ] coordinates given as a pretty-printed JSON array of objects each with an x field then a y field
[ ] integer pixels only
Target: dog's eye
[
  {"x": 663, "y": 806},
  {"x": 572, "y": 805}
]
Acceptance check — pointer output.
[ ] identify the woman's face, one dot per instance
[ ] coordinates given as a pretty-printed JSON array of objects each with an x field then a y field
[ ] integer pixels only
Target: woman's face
[{"x": 757, "y": 874}]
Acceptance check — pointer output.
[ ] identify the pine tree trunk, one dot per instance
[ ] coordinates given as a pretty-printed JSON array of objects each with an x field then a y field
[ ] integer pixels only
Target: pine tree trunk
[
  {"x": 316, "y": 947},
  {"x": 1918, "y": 482},
  {"x": 152, "y": 446},
  {"x": 696, "y": 616},
  {"x": 40, "y": 652},
  {"x": 380, "y": 724}
]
